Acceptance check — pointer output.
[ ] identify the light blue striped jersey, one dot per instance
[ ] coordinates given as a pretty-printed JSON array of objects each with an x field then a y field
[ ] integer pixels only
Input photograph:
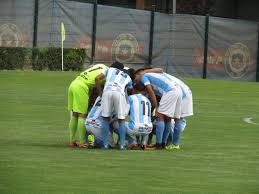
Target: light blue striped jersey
[
  {"x": 94, "y": 117},
  {"x": 116, "y": 80},
  {"x": 140, "y": 112},
  {"x": 185, "y": 89},
  {"x": 160, "y": 82}
]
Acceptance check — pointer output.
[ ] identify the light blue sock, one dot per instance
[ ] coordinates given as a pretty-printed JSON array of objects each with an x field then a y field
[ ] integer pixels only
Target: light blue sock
[
  {"x": 144, "y": 139},
  {"x": 160, "y": 126},
  {"x": 105, "y": 132},
  {"x": 171, "y": 136},
  {"x": 168, "y": 129},
  {"x": 130, "y": 139},
  {"x": 178, "y": 131},
  {"x": 122, "y": 134}
]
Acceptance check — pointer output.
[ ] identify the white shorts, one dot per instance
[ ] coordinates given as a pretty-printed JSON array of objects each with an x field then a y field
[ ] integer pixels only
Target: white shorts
[
  {"x": 114, "y": 102},
  {"x": 187, "y": 106},
  {"x": 170, "y": 104},
  {"x": 138, "y": 130},
  {"x": 97, "y": 132}
]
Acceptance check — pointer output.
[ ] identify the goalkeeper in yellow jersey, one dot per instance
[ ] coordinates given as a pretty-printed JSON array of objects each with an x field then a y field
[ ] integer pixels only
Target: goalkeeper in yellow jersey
[{"x": 78, "y": 97}]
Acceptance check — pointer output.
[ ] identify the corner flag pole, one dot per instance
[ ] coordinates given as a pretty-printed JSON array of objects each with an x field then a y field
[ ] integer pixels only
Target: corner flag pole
[{"x": 63, "y": 37}]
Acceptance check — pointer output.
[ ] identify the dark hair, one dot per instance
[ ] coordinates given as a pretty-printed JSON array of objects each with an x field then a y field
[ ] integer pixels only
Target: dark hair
[
  {"x": 117, "y": 65},
  {"x": 139, "y": 86},
  {"x": 130, "y": 72}
]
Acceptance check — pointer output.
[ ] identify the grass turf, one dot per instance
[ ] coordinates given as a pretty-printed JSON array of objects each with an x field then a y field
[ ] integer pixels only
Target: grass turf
[{"x": 219, "y": 152}]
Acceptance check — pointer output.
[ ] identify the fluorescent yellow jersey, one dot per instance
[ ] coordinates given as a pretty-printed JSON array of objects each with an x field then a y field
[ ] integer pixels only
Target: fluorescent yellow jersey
[{"x": 88, "y": 76}]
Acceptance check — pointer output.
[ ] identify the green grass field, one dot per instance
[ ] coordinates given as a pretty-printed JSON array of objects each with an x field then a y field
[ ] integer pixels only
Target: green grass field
[{"x": 219, "y": 151}]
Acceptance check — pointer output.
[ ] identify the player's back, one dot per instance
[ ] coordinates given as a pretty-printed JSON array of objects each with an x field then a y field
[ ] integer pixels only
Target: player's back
[
  {"x": 116, "y": 80},
  {"x": 94, "y": 117},
  {"x": 140, "y": 111},
  {"x": 161, "y": 84},
  {"x": 88, "y": 76},
  {"x": 185, "y": 89}
]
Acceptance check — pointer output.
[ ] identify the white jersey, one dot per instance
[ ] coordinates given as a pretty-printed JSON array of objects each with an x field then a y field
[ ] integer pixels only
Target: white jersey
[
  {"x": 116, "y": 80},
  {"x": 140, "y": 113},
  {"x": 94, "y": 118},
  {"x": 161, "y": 84},
  {"x": 187, "y": 101},
  {"x": 185, "y": 89}
]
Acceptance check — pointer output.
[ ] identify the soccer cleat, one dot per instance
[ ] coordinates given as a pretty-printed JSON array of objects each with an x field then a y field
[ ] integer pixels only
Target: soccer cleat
[
  {"x": 172, "y": 147},
  {"x": 121, "y": 147},
  {"x": 176, "y": 147},
  {"x": 163, "y": 145},
  {"x": 90, "y": 141},
  {"x": 133, "y": 146},
  {"x": 83, "y": 145},
  {"x": 143, "y": 147},
  {"x": 105, "y": 147},
  {"x": 159, "y": 146},
  {"x": 73, "y": 144}
]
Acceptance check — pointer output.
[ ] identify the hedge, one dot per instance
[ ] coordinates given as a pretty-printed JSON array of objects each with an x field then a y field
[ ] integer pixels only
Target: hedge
[
  {"x": 42, "y": 58},
  {"x": 13, "y": 57}
]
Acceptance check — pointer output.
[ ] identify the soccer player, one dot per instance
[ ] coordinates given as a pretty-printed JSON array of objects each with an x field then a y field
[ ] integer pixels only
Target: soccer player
[
  {"x": 186, "y": 110},
  {"x": 93, "y": 126},
  {"x": 78, "y": 95},
  {"x": 170, "y": 104},
  {"x": 114, "y": 100},
  {"x": 140, "y": 115}
]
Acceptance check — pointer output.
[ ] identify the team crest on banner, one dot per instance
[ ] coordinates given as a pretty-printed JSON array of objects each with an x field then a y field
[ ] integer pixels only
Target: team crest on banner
[
  {"x": 237, "y": 60},
  {"x": 10, "y": 35},
  {"x": 124, "y": 48}
]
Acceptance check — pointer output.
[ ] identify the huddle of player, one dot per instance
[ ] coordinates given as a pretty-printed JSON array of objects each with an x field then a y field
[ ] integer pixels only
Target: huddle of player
[{"x": 127, "y": 103}]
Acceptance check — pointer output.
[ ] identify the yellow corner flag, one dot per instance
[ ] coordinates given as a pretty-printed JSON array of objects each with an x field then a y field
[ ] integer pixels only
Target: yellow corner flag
[{"x": 63, "y": 32}]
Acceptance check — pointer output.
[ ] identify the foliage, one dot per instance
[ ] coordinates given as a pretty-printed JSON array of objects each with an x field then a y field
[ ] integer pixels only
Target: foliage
[
  {"x": 41, "y": 58},
  {"x": 12, "y": 57},
  {"x": 50, "y": 58}
]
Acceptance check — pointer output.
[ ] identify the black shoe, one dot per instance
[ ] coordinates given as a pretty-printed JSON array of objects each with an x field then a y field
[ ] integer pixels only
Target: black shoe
[
  {"x": 158, "y": 146},
  {"x": 163, "y": 145}
]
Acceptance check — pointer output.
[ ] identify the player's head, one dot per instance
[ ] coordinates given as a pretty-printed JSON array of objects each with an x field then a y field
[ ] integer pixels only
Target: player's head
[
  {"x": 139, "y": 88},
  {"x": 117, "y": 65},
  {"x": 138, "y": 74},
  {"x": 130, "y": 72}
]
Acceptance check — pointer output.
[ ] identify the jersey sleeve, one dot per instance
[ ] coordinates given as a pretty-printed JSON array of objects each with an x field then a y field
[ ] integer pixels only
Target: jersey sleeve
[
  {"x": 130, "y": 85},
  {"x": 129, "y": 101},
  {"x": 144, "y": 79},
  {"x": 105, "y": 72}
]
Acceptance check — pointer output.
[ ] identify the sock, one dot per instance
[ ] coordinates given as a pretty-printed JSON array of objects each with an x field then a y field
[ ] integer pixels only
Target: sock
[
  {"x": 144, "y": 139},
  {"x": 170, "y": 138},
  {"x": 138, "y": 139},
  {"x": 177, "y": 132},
  {"x": 150, "y": 136},
  {"x": 122, "y": 134},
  {"x": 81, "y": 129},
  {"x": 130, "y": 139},
  {"x": 160, "y": 126},
  {"x": 72, "y": 128},
  {"x": 168, "y": 129},
  {"x": 105, "y": 132}
]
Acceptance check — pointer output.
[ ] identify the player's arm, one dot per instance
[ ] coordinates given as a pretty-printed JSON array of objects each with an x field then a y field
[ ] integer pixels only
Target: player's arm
[
  {"x": 152, "y": 95},
  {"x": 98, "y": 84},
  {"x": 153, "y": 70}
]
